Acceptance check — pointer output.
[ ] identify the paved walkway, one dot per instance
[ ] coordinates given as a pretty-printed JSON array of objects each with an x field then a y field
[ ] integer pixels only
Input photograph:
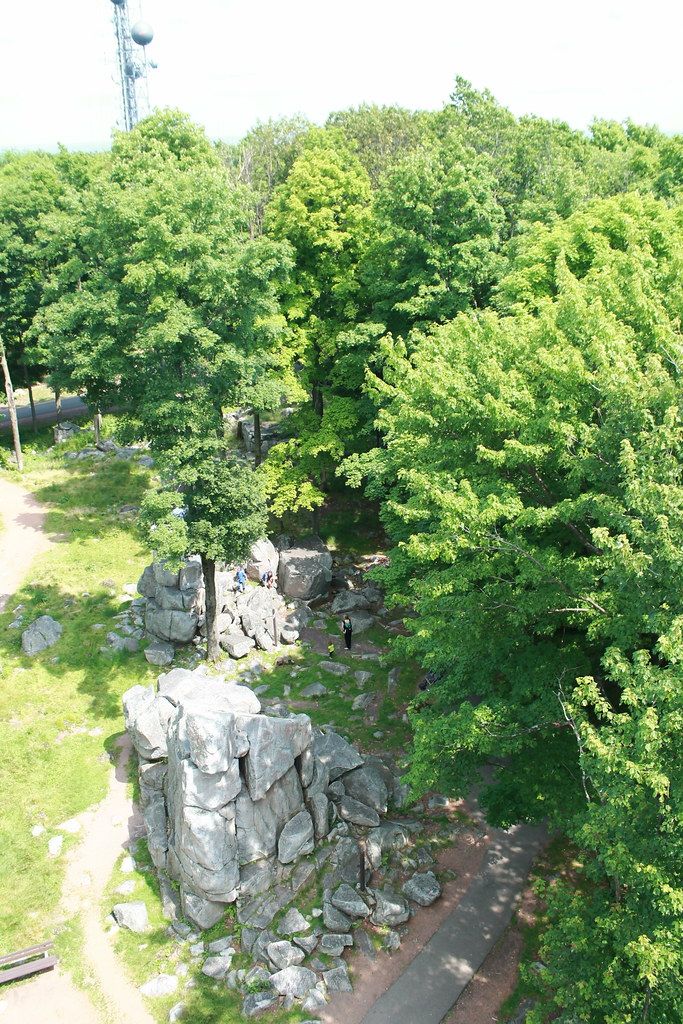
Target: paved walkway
[
  {"x": 21, "y": 537},
  {"x": 434, "y": 980}
]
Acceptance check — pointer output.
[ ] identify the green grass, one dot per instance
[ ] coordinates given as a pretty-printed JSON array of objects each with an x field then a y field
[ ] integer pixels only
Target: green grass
[{"x": 61, "y": 710}]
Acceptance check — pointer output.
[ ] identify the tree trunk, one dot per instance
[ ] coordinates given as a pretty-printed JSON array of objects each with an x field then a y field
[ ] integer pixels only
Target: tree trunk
[
  {"x": 317, "y": 400},
  {"x": 58, "y": 404},
  {"x": 97, "y": 425},
  {"x": 315, "y": 520},
  {"x": 9, "y": 390},
  {"x": 29, "y": 387},
  {"x": 257, "y": 438},
  {"x": 213, "y": 648}
]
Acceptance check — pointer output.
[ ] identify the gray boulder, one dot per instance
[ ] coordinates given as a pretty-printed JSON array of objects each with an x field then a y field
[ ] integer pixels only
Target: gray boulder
[
  {"x": 274, "y": 745},
  {"x": 346, "y": 899},
  {"x": 237, "y": 645},
  {"x": 141, "y": 715},
  {"x": 335, "y": 668},
  {"x": 314, "y": 690},
  {"x": 336, "y": 754},
  {"x": 190, "y": 577},
  {"x": 165, "y": 577},
  {"x": 319, "y": 809},
  {"x": 305, "y": 571},
  {"x": 389, "y": 836},
  {"x": 263, "y": 556},
  {"x": 293, "y": 922},
  {"x": 166, "y": 624},
  {"x": 160, "y": 653},
  {"x": 161, "y": 985},
  {"x": 202, "y": 913},
  {"x": 41, "y": 634},
  {"x": 357, "y": 813},
  {"x": 423, "y": 888},
  {"x": 283, "y": 954},
  {"x": 367, "y": 786},
  {"x": 217, "y": 966},
  {"x": 337, "y": 980},
  {"x": 390, "y": 908},
  {"x": 334, "y": 919},
  {"x": 334, "y": 943},
  {"x": 296, "y": 838},
  {"x": 293, "y": 981},
  {"x": 259, "y": 822},
  {"x": 349, "y": 601},
  {"x": 213, "y": 737},
  {"x": 257, "y": 1003},
  {"x": 361, "y": 621},
  {"x": 132, "y": 916}
]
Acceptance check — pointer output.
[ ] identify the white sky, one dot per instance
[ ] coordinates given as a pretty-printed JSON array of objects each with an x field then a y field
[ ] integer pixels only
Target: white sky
[{"x": 230, "y": 63}]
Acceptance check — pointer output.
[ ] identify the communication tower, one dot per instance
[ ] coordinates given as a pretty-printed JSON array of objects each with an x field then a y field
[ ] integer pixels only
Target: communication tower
[{"x": 132, "y": 64}]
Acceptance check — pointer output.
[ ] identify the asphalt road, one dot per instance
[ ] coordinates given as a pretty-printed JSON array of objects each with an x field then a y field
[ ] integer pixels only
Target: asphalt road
[{"x": 46, "y": 413}]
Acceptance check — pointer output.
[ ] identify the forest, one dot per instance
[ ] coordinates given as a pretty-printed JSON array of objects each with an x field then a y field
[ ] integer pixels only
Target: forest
[{"x": 474, "y": 323}]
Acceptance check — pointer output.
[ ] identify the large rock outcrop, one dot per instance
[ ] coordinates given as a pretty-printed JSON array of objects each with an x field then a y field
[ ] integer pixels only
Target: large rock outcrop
[
  {"x": 225, "y": 790},
  {"x": 259, "y": 617},
  {"x": 305, "y": 571}
]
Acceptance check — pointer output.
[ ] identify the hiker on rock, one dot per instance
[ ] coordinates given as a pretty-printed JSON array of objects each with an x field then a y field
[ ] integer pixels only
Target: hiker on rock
[
  {"x": 240, "y": 579},
  {"x": 346, "y": 627},
  {"x": 267, "y": 579}
]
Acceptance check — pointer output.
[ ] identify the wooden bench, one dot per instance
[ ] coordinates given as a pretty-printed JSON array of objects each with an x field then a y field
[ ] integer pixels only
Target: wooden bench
[{"x": 26, "y": 962}]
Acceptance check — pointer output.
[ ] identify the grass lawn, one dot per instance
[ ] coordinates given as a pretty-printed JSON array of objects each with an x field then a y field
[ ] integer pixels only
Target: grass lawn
[
  {"x": 60, "y": 710},
  {"x": 60, "y": 713}
]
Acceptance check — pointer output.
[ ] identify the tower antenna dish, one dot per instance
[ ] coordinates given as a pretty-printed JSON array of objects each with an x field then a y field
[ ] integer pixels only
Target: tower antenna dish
[{"x": 132, "y": 64}]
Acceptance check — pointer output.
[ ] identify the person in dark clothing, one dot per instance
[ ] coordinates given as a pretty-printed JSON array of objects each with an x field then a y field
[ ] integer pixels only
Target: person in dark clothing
[{"x": 347, "y": 630}]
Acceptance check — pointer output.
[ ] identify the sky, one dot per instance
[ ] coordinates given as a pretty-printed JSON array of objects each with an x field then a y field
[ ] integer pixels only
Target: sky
[{"x": 230, "y": 64}]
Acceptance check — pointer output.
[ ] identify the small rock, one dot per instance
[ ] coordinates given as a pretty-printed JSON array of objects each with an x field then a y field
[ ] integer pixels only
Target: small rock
[
  {"x": 257, "y": 1003},
  {"x": 334, "y": 919},
  {"x": 392, "y": 941},
  {"x": 294, "y": 981},
  {"x": 314, "y": 690},
  {"x": 335, "y": 668},
  {"x": 127, "y": 865},
  {"x": 217, "y": 966},
  {"x": 41, "y": 634},
  {"x": 337, "y": 980},
  {"x": 334, "y": 944},
  {"x": 293, "y": 922},
  {"x": 346, "y": 899},
  {"x": 176, "y": 1012},
  {"x": 161, "y": 985},
  {"x": 437, "y": 802},
  {"x": 37, "y": 830},
  {"x": 132, "y": 916},
  {"x": 72, "y": 826},
  {"x": 126, "y": 888},
  {"x": 283, "y": 954},
  {"x": 160, "y": 653},
  {"x": 306, "y": 942},
  {"x": 220, "y": 945},
  {"x": 423, "y": 888},
  {"x": 54, "y": 847}
]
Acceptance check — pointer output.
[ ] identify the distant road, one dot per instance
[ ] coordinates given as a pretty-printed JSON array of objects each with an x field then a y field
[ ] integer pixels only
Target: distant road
[{"x": 46, "y": 413}]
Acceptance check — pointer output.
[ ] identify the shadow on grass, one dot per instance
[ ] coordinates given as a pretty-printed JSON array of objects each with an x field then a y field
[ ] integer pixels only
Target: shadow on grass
[{"x": 93, "y": 490}]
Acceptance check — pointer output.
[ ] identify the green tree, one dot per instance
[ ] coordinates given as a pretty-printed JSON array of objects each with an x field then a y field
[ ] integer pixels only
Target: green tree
[
  {"x": 215, "y": 508},
  {"x": 323, "y": 211},
  {"x": 533, "y": 491},
  {"x": 438, "y": 228}
]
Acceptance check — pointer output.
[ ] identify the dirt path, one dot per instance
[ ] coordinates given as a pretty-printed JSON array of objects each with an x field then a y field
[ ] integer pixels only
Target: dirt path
[
  {"x": 21, "y": 537},
  {"x": 107, "y": 830},
  {"x": 458, "y": 950}
]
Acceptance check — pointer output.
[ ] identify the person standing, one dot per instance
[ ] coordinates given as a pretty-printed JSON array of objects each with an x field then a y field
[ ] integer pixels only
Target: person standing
[
  {"x": 241, "y": 579},
  {"x": 347, "y": 630}
]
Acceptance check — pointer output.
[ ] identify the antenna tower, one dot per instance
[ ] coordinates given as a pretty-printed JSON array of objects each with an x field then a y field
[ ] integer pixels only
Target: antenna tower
[{"x": 132, "y": 64}]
